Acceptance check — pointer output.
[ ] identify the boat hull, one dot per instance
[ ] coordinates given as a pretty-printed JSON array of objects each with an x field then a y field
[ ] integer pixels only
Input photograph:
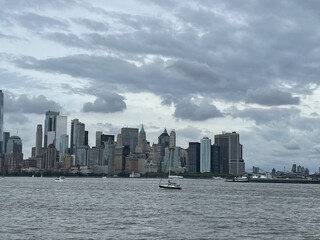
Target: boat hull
[{"x": 167, "y": 186}]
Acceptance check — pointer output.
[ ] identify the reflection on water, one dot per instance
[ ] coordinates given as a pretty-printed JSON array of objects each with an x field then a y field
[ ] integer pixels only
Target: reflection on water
[{"x": 116, "y": 208}]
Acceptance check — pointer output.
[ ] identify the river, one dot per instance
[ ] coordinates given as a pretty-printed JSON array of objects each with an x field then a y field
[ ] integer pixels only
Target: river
[{"x": 134, "y": 208}]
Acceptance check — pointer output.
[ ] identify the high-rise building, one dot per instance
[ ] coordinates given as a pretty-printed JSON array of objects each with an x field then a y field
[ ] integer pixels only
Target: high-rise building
[
  {"x": 50, "y": 126},
  {"x": 14, "y": 156},
  {"x": 231, "y": 161},
  {"x": 215, "y": 159},
  {"x": 64, "y": 146},
  {"x": 193, "y": 162},
  {"x": 98, "y": 138},
  {"x": 163, "y": 143},
  {"x": 39, "y": 134},
  {"x": 78, "y": 135},
  {"x": 205, "y": 155},
  {"x": 142, "y": 141},
  {"x": 6, "y": 136},
  {"x": 1, "y": 123},
  {"x": 130, "y": 138},
  {"x": 106, "y": 139},
  {"x": 172, "y": 138},
  {"x": 55, "y": 127}
]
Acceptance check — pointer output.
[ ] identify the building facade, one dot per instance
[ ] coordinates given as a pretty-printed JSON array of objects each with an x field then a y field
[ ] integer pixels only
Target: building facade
[
  {"x": 130, "y": 138},
  {"x": 205, "y": 155},
  {"x": 1, "y": 123},
  {"x": 193, "y": 161},
  {"x": 231, "y": 161}
]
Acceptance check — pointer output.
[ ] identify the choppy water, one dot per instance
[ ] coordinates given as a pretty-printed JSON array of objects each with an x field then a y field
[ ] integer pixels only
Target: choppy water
[{"x": 116, "y": 208}]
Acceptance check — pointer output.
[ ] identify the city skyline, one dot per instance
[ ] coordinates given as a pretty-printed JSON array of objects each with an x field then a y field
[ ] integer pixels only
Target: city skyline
[{"x": 199, "y": 67}]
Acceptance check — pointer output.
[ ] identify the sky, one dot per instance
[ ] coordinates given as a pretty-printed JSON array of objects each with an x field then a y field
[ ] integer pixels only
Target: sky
[{"x": 199, "y": 67}]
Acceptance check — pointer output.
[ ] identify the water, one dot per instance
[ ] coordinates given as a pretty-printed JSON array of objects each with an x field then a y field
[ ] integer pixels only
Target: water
[{"x": 117, "y": 208}]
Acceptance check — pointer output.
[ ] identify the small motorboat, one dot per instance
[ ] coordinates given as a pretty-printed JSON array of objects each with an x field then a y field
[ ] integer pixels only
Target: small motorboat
[{"x": 59, "y": 179}]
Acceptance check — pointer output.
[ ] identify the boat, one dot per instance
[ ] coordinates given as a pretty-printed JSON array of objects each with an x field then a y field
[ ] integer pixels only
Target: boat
[
  {"x": 218, "y": 178},
  {"x": 241, "y": 179},
  {"x": 59, "y": 179},
  {"x": 173, "y": 181},
  {"x": 104, "y": 177},
  {"x": 134, "y": 175}
]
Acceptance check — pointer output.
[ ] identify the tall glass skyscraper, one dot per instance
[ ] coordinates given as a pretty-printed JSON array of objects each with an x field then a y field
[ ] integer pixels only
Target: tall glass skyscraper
[
  {"x": 55, "y": 126},
  {"x": 205, "y": 155},
  {"x": 50, "y": 126},
  {"x": 1, "y": 123}
]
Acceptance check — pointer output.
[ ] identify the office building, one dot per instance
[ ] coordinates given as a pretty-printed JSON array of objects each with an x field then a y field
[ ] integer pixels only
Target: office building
[
  {"x": 163, "y": 143},
  {"x": 78, "y": 135},
  {"x": 172, "y": 139},
  {"x": 215, "y": 159},
  {"x": 130, "y": 138},
  {"x": 142, "y": 141},
  {"x": 6, "y": 136},
  {"x": 39, "y": 133},
  {"x": 14, "y": 157},
  {"x": 193, "y": 161},
  {"x": 98, "y": 138},
  {"x": 205, "y": 155},
  {"x": 231, "y": 161},
  {"x": 1, "y": 123},
  {"x": 50, "y": 126}
]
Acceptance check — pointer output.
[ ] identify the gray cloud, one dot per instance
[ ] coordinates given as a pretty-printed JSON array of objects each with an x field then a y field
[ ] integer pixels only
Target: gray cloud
[
  {"x": 196, "y": 111},
  {"x": 109, "y": 103},
  {"x": 24, "y": 104},
  {"x": 36, "y": 22},
  {"x": 266, "y": 116},
  {"x": 67, "y": 39},
  {"x": 271, "y": 97},
  {"x": 17, "y": 118},
  {"x": 292, "y": 145},
  {"x": 92, "y": 24},
  {"x": 191, "y": 133}
]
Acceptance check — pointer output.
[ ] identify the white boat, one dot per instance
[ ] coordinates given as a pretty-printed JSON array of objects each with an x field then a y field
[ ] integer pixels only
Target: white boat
[
  {"x": 241, "y": 179},
  {"x": 134, "y": 175},
  {"x": 173, "y": 181},
  {"x": 218, "y": 178},
  {"x": 104, "y": 177},
  {"x": 59, "y": 179}
]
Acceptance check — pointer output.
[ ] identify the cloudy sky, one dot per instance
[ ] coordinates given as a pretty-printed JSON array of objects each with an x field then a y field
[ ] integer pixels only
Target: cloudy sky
[{"x": 199, "y": 67}]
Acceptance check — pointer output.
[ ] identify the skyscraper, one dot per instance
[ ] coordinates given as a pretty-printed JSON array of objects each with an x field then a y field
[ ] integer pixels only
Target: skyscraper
[
  {"x": 142, "y": 141},
  {"x": 6, "y": 136},
  {"x": 130, "y": 138},
  {"x": 61, "y": 129},
  {"x": 98, "y": 138},
  {"x": 39, "y": 141},
  {"x": 1, "y": 123},
  {"x": 205, "y": 155},
  {"x": 55, "y": 127},
  {"x": 193, "y": 162},
  {"x": 231, "y": 161},
  {"x": 14, "y": 155},
  {"x": 78, "y": 135},
  {"x": 172, "y": 138},
  {"x": 50, "y": 127}
]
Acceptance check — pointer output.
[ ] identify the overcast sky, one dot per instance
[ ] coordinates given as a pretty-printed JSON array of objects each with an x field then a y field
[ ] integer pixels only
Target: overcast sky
[{"x": 199, "y": 67}]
